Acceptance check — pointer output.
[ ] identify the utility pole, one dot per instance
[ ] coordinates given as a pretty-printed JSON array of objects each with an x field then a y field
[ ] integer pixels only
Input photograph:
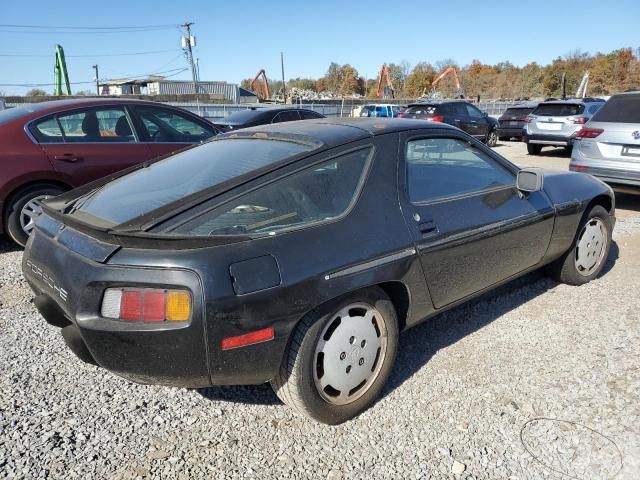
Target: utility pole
[
  {"x": 187, "y": 26},
  {"x": 95, "y": 67},
  {"x": 284, "y": 85}
]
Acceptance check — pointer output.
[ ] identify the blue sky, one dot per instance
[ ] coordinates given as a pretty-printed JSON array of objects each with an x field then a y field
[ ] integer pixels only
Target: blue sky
[{"x": 235, "y": 39}]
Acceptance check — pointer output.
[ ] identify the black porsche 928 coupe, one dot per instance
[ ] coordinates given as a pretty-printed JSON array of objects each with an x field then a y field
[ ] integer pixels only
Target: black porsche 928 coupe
[{"x": 295, "y": 253}]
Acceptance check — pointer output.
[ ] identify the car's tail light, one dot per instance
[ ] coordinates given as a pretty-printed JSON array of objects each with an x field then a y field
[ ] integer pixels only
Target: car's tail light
[
  {"x": 589, "y": 132},
  {"x": 437, "y": 118},
  {"x": 146, "y": 304},
  {"x": 579, "y": 120},
  {"x": 528, "y": 119},
  {"x": 578, "y": 167},
  {"x": 400, "y": 114}
]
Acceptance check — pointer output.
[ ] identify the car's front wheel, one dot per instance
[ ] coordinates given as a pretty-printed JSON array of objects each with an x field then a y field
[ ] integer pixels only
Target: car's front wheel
[
  {"x": 25, "y": 208},
  {"x": 589, "y": 251},
  {"x": 339, "y": 358}
]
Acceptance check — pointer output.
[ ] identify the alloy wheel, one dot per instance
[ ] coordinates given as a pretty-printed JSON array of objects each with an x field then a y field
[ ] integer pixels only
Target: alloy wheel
[{"x": 30, "y": 213}]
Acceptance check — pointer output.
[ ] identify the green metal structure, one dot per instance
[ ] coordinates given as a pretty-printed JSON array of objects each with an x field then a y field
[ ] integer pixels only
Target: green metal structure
[{"x": 60, "y": 74}]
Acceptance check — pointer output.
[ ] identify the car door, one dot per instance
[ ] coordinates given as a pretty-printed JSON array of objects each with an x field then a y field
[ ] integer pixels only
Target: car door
[
  {"x": 95, "y": 142},
  {"x": 460, "y": 117},
  {"x": 479, "y": 123},
  {"x": 167, "y": 130},
  {"x": 472, "y": 227}
]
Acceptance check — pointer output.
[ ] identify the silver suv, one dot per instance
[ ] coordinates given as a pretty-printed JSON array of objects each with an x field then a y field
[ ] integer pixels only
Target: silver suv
[
  {"x": 556, "y": 123},
  {"x": 608, "y": 146}
]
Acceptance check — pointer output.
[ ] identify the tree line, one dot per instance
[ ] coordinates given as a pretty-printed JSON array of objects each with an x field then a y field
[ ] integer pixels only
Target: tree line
[{"x": 609, "y": 73}]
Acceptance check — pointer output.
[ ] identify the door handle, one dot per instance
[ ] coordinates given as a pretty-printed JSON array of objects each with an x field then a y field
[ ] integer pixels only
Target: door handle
[
  {"x": 67, "y": 157},
  {"x": 427, "y": 228}
]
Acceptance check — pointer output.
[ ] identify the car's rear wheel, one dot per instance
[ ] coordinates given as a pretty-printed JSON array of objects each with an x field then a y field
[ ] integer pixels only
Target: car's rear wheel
[
  {"x": 589, "y": 251},
  {"x": 340, "y": 357},
  {"x": 25, "y": 208},
  {"x": 492, "y": 138},
  {"x": 533, "y": 149}
]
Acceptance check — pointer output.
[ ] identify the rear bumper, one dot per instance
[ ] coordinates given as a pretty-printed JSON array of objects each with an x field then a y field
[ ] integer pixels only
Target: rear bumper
[
  {"x": 608, "y": 175},
  {"x": 552, "y": 140},
  {"x": 510, "y": 132}
]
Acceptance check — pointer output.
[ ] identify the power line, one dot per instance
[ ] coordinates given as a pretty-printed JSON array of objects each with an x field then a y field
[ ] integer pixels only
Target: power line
[
  {"x": 167, "y": 25},
  {"x": 80, "y": 32},
  {"x": 39, "y": 55},
  {"x": 84, "y": 83}
]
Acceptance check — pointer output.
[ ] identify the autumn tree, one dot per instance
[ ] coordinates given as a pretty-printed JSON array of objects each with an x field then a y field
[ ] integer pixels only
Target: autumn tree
[{"x": 419, "y": 80}]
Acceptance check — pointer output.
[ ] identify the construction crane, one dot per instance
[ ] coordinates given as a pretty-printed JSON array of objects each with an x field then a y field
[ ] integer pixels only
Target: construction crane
[
  {"x": 582, "y": 89},
  {"x": 388, "y": 92},
  {"x": 264, "y": 87},
  {"x": 61, "y": 77},
  {"x": 459, "y": 90}
]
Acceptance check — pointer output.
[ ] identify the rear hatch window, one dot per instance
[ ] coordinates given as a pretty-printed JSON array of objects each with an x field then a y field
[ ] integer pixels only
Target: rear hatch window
[
  {"x": 559, "y": 109},
  {"x": 429, "y": 110},
  {"x": 176, "y": 177},
  {"x": 516, "y": 113},
  {"x": 620, "y": 109}
]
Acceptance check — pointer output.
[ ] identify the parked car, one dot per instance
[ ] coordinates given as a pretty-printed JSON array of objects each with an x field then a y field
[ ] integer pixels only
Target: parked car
[
  {"x": 460, "y": 114},
  {"x": 253, "y": 117},
  {"x": 512, "y": 121},
  {"x": 295, "y": 253},
  {"x": 380, "y": 110},
  {"x": 608, "y": 147},
  {"x": 50, "y": 147},
  {"x": 556, "y": 123}
]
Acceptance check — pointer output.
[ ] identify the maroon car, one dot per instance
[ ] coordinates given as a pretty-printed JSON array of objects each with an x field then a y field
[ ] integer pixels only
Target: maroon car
[{"x": 49, "y": 147}]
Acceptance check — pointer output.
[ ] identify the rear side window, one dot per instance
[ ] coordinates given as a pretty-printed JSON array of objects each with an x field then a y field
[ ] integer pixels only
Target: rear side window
[
  {"x": 47, "y": 131},
  {"x": 316, "y": 194},
  {"x": 290, "y": 116},
  {"x": 164, "y": 125},
  {"x": 445, "y": 167},
  {"x": 183, "y": 174},
  {"x": 308, "y": 114},
  {"x": 559, "y": 109},
  {"x": 106, "y": 125},
  {"x": 620, "y": 109}
]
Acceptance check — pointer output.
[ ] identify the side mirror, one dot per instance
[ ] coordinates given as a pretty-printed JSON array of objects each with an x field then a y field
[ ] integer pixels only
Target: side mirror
[{"x": 530, "y": 180}]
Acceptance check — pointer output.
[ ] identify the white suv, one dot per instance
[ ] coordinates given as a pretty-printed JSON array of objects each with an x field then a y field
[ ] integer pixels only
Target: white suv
[{"x": 556, "y": 123}]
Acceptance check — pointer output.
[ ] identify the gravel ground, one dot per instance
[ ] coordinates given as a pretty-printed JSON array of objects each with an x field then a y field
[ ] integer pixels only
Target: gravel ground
[{"x": 537, "y": 380}]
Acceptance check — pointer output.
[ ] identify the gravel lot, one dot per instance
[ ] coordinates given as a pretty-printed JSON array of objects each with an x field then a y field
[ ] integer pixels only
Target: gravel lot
[{"x": 537, "y": 380}]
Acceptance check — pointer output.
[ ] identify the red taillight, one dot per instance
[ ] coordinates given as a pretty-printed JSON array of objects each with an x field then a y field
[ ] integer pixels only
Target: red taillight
[
  {"x": 580, "y": 120},
  {"x": 437, "y": 118},
  {"x": 589, "y": 132},
  {"x": 153, "y": 306},
  {"x": 400, "y": 114},
  {"x": 528, "y": 119},
  {"x": 130, "y": 305},
  {"x": 252, "y": 338},
  {"x": 578, "y": 167}
]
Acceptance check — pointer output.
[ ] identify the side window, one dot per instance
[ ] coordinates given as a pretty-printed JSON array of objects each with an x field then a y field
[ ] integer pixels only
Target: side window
[
  {"x": 308, "y": 114},
  {"x": 103, "y": 125},
  {"x": 443, "y": 167},
  {"x": 319, "y": 193},
  {"x": 47, "y": 131},
  {"x": 287, "y": 116},
  {"x": 459, "y": 110},
  {"x": 473, "y": 111},
  {"x": 164, "y": 125}
]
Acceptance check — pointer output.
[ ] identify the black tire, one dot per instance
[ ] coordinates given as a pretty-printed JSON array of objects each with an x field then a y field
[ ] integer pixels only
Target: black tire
[
  {"x": 568, "y": 149},
  {"x": 565, "y": 269},
  {"x": 295, "y": 383},
  {"x": 16, "y": 204},
  {"x": 533, "y": 149},
  {"x": 492, "y": 138}
]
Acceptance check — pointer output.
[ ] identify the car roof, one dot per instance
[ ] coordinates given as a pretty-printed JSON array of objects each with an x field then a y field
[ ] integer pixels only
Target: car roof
[
  {"x": 52, "y": 106},
  {"x": 338, "y": 131},
  {"x": 525, "y": 105},
  {"x": 573, "y": 101},
  {"x": 438, "y": 102}
]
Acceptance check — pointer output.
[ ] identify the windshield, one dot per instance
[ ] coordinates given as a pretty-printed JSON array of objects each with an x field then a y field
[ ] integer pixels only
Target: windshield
[
  {"x": 620, "y": 109},
  {"x": 421, "y": 110},
  {"x": 519, "y": 113},
  {"x": 183, "y": 174},
  {"x": 559, "y": 109}
]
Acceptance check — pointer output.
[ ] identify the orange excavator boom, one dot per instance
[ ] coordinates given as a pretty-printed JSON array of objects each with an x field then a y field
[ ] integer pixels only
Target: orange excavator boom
[
  {"x": 384, "y": 74},
  {"x": 454, "y": 72},
  {"x": 265, "y": 83}
]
